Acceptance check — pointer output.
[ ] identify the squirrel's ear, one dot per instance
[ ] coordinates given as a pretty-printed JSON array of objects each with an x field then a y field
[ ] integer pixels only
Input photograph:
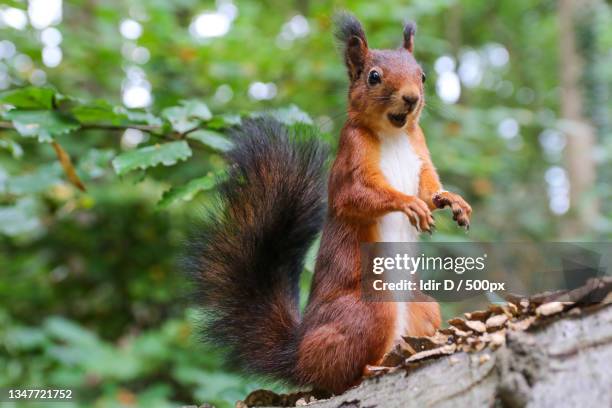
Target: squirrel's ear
[
  {"x": 355, "y": 53},
  {"x": 409, "y": 32},
  {"x": 351, "y": 36}
]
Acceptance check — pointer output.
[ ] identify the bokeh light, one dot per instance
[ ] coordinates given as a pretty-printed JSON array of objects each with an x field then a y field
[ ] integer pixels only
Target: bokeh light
[
  {"x": 262, "y": 91},
  {"x": 207, "y": 25},
  {"x": 130, "y": 29},
  {"x": 14, "y": 18},
  {"x": 44, "y": 13}
]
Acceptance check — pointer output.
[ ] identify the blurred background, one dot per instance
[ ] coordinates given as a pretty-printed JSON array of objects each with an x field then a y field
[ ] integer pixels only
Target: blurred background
[{"x": 91, "y": 296}]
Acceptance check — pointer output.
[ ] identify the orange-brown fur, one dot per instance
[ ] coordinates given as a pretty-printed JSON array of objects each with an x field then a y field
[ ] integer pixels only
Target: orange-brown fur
[
  {"x": 272, "y": 208},
  {"x": 340, "y": 333}
]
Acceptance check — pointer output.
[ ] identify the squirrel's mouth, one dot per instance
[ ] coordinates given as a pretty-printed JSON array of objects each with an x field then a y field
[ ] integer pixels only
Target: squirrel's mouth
[{"x": 397, "y": 119}]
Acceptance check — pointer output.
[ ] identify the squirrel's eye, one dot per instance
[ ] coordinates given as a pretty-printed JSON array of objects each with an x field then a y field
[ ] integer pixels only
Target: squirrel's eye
[
  {"x": 423, "y": 77},
  {"x": 374, "y": 78}
]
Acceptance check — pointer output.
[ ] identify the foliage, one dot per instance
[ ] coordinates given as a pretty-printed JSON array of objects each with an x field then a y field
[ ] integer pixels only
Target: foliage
[
  {"x": 157, "y": 368},
  {"x": 65, "y": 353},
  {"x": 42, "y": 113},
  {"x": 90, "y": 293}
]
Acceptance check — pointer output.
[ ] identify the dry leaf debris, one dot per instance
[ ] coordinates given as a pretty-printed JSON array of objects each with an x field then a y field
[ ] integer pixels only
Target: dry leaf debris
[{"x": 488, "y": 328}]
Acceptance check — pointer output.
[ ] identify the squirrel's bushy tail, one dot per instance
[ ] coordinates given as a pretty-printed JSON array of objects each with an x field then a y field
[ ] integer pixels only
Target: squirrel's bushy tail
[{"x": 247, "y": 262}]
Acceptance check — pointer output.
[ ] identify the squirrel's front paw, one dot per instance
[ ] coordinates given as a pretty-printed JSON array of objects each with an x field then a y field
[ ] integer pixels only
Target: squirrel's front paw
[
  {"x": 460, "y": 208},
  {"x": 419, "y": 215}
]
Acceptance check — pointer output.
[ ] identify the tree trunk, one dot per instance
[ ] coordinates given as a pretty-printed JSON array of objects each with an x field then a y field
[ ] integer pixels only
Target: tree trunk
[{"x": 578, "y": 129}]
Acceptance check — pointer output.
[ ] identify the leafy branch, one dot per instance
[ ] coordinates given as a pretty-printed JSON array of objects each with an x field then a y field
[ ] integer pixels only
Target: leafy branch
[{"x": 44, "y": 114}]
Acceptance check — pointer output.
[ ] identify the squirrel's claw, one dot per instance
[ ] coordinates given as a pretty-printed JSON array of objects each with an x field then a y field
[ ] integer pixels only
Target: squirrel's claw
[{"x": 460, "y": 208}]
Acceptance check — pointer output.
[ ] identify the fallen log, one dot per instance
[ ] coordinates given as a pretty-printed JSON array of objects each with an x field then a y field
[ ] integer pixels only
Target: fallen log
[{"x": 552, "y": 350}]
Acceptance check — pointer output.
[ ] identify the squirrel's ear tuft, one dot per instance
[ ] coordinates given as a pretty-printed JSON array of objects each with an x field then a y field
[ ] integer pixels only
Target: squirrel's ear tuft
[
  {"x": 409, "y": 32},
  {"x": 351, "y": 36},
  {"x": 347, "y": 27}
]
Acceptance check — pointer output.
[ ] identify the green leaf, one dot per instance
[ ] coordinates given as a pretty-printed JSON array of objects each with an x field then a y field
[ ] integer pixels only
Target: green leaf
[
  {"x": 167, "y": 154},
  {"x": 224, "y": 121},
  {"x": 25, "y": 338},
  {"x": 3, "y": 180},
  {"x": 178, "y": 119},
  {"x": 187, "y": 116},
  {"x": 96, "y": 163},
  {"x": 44, "y": 177},
  {"x": 188, "y": 191},
  {"x": 145, "y": 118},
  {"x": 13, "y": 147},
  {"x": 99, "y": 111},
  {"x": 20, "y": 218},
  {"x": 29, "y": 98},
  {"x": 197, "y": 109},
  {"x": 212, "y": 139},
  {"x": 41, "y": 124},
  {"x": 68, "y": 331}
]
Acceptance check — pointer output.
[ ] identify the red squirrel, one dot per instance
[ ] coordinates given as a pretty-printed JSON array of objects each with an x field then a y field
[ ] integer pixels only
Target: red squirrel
[{"x": 382, "y": 187}]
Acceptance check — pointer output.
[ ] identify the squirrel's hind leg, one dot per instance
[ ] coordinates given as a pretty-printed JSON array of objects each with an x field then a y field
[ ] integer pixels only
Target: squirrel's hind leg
[
  {"x": 423, "y": 318},
  {"x": 333, "y": 353}
]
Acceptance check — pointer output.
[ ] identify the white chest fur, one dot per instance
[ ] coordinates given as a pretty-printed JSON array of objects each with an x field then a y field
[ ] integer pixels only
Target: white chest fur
[{"x": 401, "y": 167}]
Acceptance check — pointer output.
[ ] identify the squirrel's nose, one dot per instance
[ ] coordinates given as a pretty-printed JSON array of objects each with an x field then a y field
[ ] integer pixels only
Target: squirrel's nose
[{"x": 410, "y": 101}]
